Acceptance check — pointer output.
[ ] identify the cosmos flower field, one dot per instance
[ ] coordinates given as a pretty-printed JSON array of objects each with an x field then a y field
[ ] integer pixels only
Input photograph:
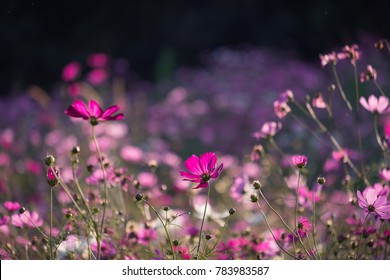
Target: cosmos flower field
[{"x": 254, "y": 155}]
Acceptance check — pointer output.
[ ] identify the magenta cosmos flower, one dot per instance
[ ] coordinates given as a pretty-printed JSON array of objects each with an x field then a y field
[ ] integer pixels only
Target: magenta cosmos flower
[
  {"x": 94, "y": 113},
  {"x": 304, "y": 226},
  {"x": 374, "y": 204},
  {"x": 374, "y": 104},
  {"x": 299, "y": 161},
  {"x": 201, "y": 169}
]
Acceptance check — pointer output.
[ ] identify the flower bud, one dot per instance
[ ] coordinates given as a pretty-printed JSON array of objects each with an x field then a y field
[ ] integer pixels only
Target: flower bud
[
  {"x": 50, "y": 160},
  {"x": 232, "y": 211},
  {"x": 256, "y": 184},
  {"x": 379, "y": 45},
  {"x": 75, "y": 150},
  {"x": 321, "y": 180},
  {"x": 22, "y": 210},
  {"x": 176, "y": 242},
  {"x": 208, "y": 236},
  {"x": 166, "y": 208},
  {"x": 254, "y": 198},
  {"x": 52, "y": 176},
  {"x": 139, "y": 197}
]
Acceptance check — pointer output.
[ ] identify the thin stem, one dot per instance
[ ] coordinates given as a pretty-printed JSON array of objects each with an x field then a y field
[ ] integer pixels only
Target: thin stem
[
  {"x": 273, "y": 235},
  {"x": 296, "y": 201},
  {"x": 314, "y": 226},
  {"x": 51, "y": 224},
  {"x": 357, "y": 119},
  {"x": 220, "y": 235},
  {"x": 336, "y": 144},
  {"x": 204, "y": 217},
  {"x": 361, "y": 236},
  {"x": 163, "y": 224},
  {"x": 35, "y": 225},
  {"x": 277, "y": 213},
  {"x": 105, "y": 191},
  {"x": 378, "y": 87},
  {"x": 336, "y": 76}
]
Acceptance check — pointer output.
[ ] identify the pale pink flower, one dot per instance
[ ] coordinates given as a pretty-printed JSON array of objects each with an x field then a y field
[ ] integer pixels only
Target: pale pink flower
[
  {"x": 281, "y": 109},
  {"x": 374, "y": 104},
  {"x": 268, "y": 129},
  {"x": 385, "y": 174},
  {"x": 370, "y": 74},
  {"x": 29, "y": 219},
  {"x": 319, "y": 102},
  {"x": 371, "y": 203}
]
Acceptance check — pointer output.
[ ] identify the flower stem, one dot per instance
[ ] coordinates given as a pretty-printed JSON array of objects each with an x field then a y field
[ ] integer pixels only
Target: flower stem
[
  {"x": 314, "y": 226},
  {"x": 336, "y": 76},
  {"x": 99, "y": 237},
  {"x": 378, "y": 87},
  {"x": 220, "y": 235},
  {"x": 51, "y": 224},
  {"x": 273, "y": 235},
  {"x": 296, "y": 201},
  {"x": 204, "y": 217},
  {"x": 164, "y": 226}
]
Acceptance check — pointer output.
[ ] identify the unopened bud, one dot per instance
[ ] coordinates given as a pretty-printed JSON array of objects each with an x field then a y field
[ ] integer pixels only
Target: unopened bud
[
  {"x": 254, "y": 198},
  {"x": 22, "y": 210},
  {"x": 139, "y": 197},
  {"x": 321, "y": 180},
  {"x": 256, "y": 184},
  {"x": 208, "y": 236},
  {"x": 232, "y": 211},
  {"x": 50, "y": 160},
  {"x": 176, "y": 242},
  {"x": 75, "y": 150},
  {"x": 166, "y": 208}
]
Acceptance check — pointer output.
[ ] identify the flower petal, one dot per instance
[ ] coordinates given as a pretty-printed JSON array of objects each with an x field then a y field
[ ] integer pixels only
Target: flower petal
[
  {"x": 109, "y": 111},
  {"x": 190, "y": 176},
  {"x": 371, "y": 196},
  {"x": 80, "y": 107},
  {"x": 192, "y": 164},
  {"x": 364, "y": 103},
  {"x": 361, "y": 200},
  {"x": 216, "y": 172},
  {"x": 207, "y": 162},
  {"x": 95, "y": 109},
  {"x": 74, "y": 113},
  {"x": 201, "y": 185}
]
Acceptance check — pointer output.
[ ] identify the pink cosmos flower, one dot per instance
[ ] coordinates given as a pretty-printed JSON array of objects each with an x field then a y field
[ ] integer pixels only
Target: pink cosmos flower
[
  {"x": 12, "y": 206},
  {"x": 351, "y": 52},
  {"x": 281, "y": 109},
  {"x": 374, "y": 104},
  {"x": 71, "y": 71},
  {"x": 385, "y": 174},
  {"x": 304, "y": 226},
  {"x": 98, "y": 60},
  {"x": 97, "y": 76},
  {"x": 268, "y": 129},
  {"x": 4, "y": 220},
  {"x": 370, "y": 74},
  {"x": 319, "y": 102},
  {"x": 201, "y": 169},
  {"x": 94, "y": 113},
  {"x": 27, "y": 218},
  {"x": 299, "y": 161},
  {"x": 371, "y": 203}
]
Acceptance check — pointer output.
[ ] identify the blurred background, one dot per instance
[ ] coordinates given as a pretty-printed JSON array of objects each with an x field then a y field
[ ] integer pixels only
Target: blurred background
[{"x": 39, "y": 37}]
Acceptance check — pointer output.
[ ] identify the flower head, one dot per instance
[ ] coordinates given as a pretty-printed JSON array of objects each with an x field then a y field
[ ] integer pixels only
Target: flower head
[
  {"x": 374, "y": 104},
  {"x": 71, "y": 71},
  {"x": 371, "y": 203},
  {"x": 268, "y": 129},
  {"x": 370, "y": 74},
  {"x": 319, "y": 102},
  {"x": 201, "y": 169},
  {"x": 94, "y": 113},
  {"x": 304, "y": 226},
  {"x": 299, "y": 161},
  {"x": 51, "y": 177},
  {"x": 12, "y": 206}
]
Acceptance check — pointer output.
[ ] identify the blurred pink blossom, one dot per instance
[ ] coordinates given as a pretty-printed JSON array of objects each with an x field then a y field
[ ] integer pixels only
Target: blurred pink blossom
[{"x": 71, "y": 71}]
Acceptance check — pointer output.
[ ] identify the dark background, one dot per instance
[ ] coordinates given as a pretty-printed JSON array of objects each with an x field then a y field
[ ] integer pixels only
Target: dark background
[{"x": 39, "y": 37}]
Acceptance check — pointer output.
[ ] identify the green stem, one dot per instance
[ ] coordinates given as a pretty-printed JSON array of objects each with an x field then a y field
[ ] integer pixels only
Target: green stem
[
  {"x": 220, "y": 236},
  {"x": 204, "y": 217},
  {"x": 378, "y": 87},
  {"x": 361, "y": 237},
  {"x": 296, "y": 201},
  {"x": 273, "y": 235},
  {"x": 163, "y": 224},
  {"x": 277, "y": 213},
  {"x": 336, "y": 76},
  {"x": 314, "y": 226},
  {"x": 99, "y": 238},
  {"x": 51, "y": 224}
]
